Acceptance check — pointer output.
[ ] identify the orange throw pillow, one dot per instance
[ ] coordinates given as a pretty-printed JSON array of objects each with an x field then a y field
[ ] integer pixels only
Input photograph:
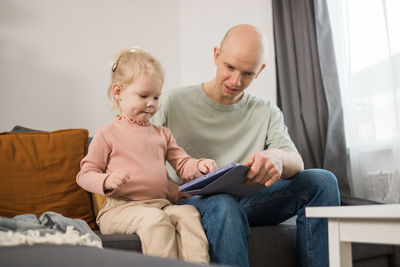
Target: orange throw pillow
[{"x": 38, "y": 171}]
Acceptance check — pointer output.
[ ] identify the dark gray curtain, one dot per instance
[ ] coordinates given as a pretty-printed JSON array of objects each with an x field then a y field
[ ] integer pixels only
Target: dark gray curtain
[{"x": 308, "y": 86}]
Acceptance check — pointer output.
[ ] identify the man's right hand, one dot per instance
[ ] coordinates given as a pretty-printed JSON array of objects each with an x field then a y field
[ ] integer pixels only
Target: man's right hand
[
  {"x": 265, "y": 167},
  {"x": 174, "y": 195}
]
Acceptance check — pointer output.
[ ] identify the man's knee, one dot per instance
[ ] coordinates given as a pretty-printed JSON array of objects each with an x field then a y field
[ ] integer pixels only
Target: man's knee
[
  {"x": 228, "y": 210},
  {"x": 226, "y": 205},
  {"x": 323, "y": 183},
  {"x": 220, "y": 209}
]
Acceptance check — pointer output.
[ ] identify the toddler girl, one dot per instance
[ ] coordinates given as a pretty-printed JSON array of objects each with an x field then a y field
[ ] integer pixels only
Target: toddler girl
[{"x": 126, "y": 162}]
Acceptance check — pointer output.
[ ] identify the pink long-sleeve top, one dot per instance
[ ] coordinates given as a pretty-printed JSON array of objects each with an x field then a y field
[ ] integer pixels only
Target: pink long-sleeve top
[{"x": 139, "y": 150}]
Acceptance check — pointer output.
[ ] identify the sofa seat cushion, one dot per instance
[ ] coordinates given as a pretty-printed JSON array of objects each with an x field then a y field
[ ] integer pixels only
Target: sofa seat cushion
[
  {"x": 65, "y": 255},
  {"x": 273, "y": 246},
  {"x": 38, "y": 174},
  {"x": 118, "y": 241}
]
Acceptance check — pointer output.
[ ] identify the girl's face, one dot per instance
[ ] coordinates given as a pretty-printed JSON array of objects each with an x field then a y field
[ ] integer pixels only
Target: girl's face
[{"x": 139, "y": 100}]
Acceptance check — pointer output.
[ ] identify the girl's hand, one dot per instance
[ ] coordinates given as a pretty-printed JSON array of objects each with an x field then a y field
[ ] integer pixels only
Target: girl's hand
[
  {"x": 115, "y": 180},
  {"x": 207, "y": 165},
  {"x": 174, "y": 195}
]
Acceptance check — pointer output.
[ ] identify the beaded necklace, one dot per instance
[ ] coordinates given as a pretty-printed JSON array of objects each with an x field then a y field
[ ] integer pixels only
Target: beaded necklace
[{"x": 141, "y": 123}]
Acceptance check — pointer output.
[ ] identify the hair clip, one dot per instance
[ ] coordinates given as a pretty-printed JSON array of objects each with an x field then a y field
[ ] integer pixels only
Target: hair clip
[
  {"x": 130, "y": 50},
  {"x": 114, "y": 66}
]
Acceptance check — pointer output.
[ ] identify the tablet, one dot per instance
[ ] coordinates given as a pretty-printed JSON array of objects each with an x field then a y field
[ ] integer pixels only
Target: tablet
[
  {"x": 206, "y": 179},
  {"x": 228, "y": 179}
]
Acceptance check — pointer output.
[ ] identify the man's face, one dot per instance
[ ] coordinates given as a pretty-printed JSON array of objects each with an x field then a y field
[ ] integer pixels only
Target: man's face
[{"x": 236, "y": 69}]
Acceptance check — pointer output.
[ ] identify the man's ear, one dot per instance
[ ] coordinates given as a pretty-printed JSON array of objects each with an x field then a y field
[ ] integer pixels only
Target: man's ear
[
  {"x": 262, "y": 67},
  {"x": 116, "y": 90},
  {"x": 216, "y": 55}
]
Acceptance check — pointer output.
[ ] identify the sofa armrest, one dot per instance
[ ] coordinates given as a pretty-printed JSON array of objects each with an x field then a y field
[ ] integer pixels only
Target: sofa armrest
[{"x": 350, "y": 201}]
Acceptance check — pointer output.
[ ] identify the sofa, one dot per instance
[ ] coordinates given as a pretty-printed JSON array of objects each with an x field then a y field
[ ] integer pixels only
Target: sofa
[
  {"x": 275, "y": 245},
  {"x": 37, "y": 174}
]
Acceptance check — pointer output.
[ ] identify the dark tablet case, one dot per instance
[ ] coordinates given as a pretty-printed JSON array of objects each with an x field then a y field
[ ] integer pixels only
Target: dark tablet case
[{"x": 229, "y": 180}]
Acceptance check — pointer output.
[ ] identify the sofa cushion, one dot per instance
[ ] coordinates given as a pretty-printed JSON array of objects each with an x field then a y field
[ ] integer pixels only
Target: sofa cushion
[
  {"x": 22, "y": 129},
  {"x": 79, "y": 256},
  {"x": 120, "y": 241},
  {"x": 273, "y": 246},
  {"x": 38, "y": 172}
]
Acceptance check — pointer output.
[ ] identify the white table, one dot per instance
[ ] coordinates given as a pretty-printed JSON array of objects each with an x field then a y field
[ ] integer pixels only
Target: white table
[{"x": 364, "y": 224}]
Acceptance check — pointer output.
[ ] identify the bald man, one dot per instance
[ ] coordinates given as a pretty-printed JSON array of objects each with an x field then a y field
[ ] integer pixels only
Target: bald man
[{"x": 218, "y": 120}]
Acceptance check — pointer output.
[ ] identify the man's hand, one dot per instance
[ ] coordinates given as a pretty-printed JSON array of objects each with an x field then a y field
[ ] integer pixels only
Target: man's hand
[
  {"x": 265, "y": 167},
  {"x": 115, "y": 180}
]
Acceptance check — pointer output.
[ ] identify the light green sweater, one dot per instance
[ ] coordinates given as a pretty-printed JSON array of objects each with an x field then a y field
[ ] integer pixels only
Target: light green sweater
[{"x": 225, "y": 133}]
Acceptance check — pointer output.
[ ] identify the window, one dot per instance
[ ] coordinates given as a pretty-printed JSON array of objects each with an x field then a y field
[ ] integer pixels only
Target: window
[{"x": 367, "y": 46}]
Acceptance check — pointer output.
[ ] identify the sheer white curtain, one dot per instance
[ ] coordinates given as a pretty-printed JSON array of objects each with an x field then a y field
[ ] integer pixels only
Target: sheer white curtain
[{"x": 367, "y": 45}]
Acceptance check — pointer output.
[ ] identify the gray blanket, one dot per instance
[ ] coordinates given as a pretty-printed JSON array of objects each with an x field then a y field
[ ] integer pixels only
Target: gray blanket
[{"x": 51, "y": 227}]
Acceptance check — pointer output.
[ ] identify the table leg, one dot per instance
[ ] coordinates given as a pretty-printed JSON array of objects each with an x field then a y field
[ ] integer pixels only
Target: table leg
[{"x": 339, "y": 252}]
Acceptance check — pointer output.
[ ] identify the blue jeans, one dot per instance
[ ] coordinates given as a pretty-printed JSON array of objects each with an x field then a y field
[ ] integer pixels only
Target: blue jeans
[{"x": 226, "y": 220}]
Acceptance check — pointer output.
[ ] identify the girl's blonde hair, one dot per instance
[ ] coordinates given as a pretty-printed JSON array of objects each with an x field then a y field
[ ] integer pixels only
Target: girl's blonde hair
[{"x": 131, "y": 65}]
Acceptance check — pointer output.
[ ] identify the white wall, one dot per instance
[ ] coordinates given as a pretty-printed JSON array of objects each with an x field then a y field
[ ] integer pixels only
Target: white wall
[
  {"x": 203, "y": 25},
  {"x": 55, "y": 55}
]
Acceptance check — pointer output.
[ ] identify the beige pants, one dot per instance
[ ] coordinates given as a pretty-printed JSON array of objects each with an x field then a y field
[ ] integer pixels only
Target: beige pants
[{"x": 166, "y": 230}]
